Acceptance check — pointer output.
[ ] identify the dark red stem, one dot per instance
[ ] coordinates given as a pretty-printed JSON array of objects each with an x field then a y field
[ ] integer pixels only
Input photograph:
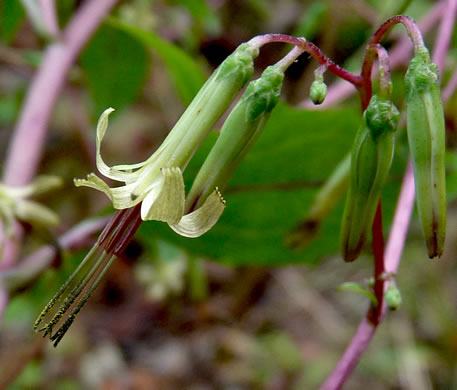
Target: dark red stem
[
  {"x": 374, "y": 315},
  {"x": 313, "y": 50},
  {"x": 371, "y": 52}
]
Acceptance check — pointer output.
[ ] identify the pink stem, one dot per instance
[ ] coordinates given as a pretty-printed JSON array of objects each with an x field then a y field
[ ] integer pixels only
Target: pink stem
[
  {"x": 48, "y": 12},
  {"x": 450, "y": 88},
  {"x": 443, "y": 38},
  {"x": 26, "y": 145},
  {"x": 351, "y": 356}
]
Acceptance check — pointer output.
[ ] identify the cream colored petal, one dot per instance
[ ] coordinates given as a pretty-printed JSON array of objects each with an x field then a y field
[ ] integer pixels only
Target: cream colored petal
[
  {"x": 167, "y": 202},
  {"x": 121, "y": 197},
  {"x": 203, "y": 219},
  {"x": 94, "y": 182},
  {"x": 35, "y": 213},
  {"x": 42, "y": 184},
  {"x": 127, "y": 173}
]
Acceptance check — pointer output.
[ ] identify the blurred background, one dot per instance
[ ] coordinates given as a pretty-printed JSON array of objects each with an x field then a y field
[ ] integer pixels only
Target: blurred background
[{"x": 236, "y": 309}]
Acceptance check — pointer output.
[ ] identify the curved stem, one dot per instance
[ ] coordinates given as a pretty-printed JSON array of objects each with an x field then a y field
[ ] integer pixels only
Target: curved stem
[
  {"x": 290, "y": 58},
  {"x": 385, "y": 82},
  {"x": 311, "y": 49},
  {"x": 370, "y": 54}
]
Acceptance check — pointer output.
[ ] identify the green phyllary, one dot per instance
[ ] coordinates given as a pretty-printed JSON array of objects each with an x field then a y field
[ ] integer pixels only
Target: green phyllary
[
  {"x": 371, "y": 158},
  {"x": 426, "y": 137},
  {"x": 239, "y": 132}
]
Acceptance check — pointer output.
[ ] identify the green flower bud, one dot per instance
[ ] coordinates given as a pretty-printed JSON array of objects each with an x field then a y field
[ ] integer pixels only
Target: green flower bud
[
  {"x": 318, "y": 92},
  {"x": 239, "y": 132},
  {"x": 426, "y": 137},
  {"x": 393, "y": 297},
  {"x": 371, "y": 158}
]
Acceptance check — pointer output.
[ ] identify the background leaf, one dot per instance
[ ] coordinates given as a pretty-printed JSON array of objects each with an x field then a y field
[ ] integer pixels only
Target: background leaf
[
  {"x": 12, "y": 14},
  {"x": 185, "y": 74},
  {"x": 115, "y": 65},
  {"x": 272, "y": 190}
]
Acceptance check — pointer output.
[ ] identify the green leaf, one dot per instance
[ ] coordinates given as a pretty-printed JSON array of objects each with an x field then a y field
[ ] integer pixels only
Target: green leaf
[
  {"x": 115, "y": 65},
  {"x": 273, "y": 189},
  {"x": 357, "y": 288},
  {"x": 12, "y": 14},
  {"x": 201, "y": 12},
  {"x": 186, "y": 76}
]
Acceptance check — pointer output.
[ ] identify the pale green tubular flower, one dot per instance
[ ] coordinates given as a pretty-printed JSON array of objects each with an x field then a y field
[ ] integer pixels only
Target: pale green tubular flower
[
  {"x": 152, "y": 190},
  {"x": 14, "y": 204},
  {"x": 239, "y": 133},
  {"x": 158, "y": 182},
  {"x": 371, "y": 158},
  {"x": 426, "y": 137}
]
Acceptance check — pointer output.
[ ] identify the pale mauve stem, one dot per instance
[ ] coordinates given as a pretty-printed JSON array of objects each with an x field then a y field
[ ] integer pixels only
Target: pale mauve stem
[
  {"x": 351, "y": 356},
  {"x": 48, "y": 12},
  {"x": 443, "y": 38},
  {"x": 400, "y": 223},
  {"x": 400, "y": 53},
  {"x": 450, "y": 88},
  {"x": 26, "y": 145}
]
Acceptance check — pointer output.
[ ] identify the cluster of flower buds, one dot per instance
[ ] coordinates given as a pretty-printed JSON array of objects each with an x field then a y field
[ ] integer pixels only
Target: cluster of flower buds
[
  {"x": 157, "y": 183},
  {"x": 372, "y": 155},
  {"x": 371, "y": 158},
  {"x": 426, "y": 137}
]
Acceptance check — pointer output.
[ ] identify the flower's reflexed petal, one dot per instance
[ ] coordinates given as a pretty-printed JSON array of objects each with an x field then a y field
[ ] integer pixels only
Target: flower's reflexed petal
[
  {"x": 119, "y": 173},
  {"x": 42, "y": 184},
  {"x": 203, "y": 219},
  {"x": 102, "y": 125},
  {"x": 35, "y": 213},
  {"x": 121, "y": 197},
  {"x": 127, "y": 173},
  {"x": 93, "y": 181},
  {"x": 167, "y": 203}
]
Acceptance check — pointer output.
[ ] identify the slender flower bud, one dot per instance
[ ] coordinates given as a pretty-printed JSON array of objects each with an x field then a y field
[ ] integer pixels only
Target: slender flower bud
[
  {"x": 370, "y": 163},
  {"x": 426, "y": 137},
  {"x": 239, "y": 132}
]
